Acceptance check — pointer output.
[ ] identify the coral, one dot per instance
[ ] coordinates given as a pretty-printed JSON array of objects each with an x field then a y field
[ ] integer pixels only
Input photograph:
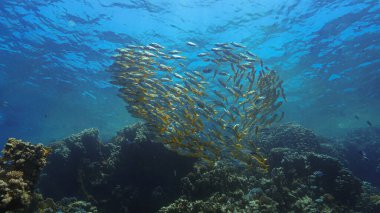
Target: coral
[
  {"x": 66, "y": 205},
  {"x": 375, "y": 199},
  {"x": 146, "y": 172},
  {"x": 20, "y": 167},
  {"x": 289, "y": 135},
  {"x": 295, "y": 136},
  {"x": 222, "y": 188},
  {"x": 81, "y": 162},
  {"x": 323, "y": 174},
  {"x": 297, "y": 182},
  {"x": 138, "y": 132},
  {"x": 122, "y": 175},
  {"x": 133, "y": 173}
]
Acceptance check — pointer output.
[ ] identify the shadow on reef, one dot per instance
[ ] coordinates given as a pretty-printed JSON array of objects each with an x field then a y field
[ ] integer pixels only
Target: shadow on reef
[
  {"x": 132, "y": 173},
  {"x": 129, "y": 174}
]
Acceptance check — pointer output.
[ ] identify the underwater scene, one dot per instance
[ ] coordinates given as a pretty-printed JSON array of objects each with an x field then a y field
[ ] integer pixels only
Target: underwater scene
[{"x": 169, "y": 106}]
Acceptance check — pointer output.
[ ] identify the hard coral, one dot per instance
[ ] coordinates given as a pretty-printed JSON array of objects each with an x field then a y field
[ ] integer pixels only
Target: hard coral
[
  {"x": 222, "y": 188},
  {"x": 138, "y": 132},
  {"x": 20, "y": 167},
  {"x": 289, "y": 135},
  {"x": 323, "y": 174},
  {"x": 66, "y": 205},
  {"x": 297, "y": 182}
]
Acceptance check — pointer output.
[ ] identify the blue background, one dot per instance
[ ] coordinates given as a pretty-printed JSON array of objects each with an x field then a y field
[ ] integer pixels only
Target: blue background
[{"x": 54, "y": 56}]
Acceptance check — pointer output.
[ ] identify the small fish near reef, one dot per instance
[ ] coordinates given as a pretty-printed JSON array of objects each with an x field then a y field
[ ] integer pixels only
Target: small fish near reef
[
  {"x": 193, "y": 113},
  {"x": 369, "y": 123},
  {"x": 192, "y": 44},
  {"x": 363, "y": 155}
]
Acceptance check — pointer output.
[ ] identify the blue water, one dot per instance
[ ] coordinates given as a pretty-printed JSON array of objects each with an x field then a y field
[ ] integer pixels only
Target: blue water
[{"x": 54, "y": 56}]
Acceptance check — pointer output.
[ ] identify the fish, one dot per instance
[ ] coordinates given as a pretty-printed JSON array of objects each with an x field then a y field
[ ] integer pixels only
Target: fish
[
  {"x": 166, "y": 79},
  {"x": 217, "y": 93},
  {"x": 150, "y": 48},
  {"x": 131, "y": 46},
  {"x": 166, "y": 68},
  {"x": 281, "y": 116},
  {"x": 219, "y": 103},
  {"x": 356, "y": 117},
  {"x": 318, "y": 173},
  {"x": 222, "y": 82},
  {"x": 180, "y": 106},
  {"x": 251, "y": 54},
  {"x": 223, "y": 73},
  {"x": 192, "y": 44},
  {"x": 238, "y": 91},
  {"x": 363, "y": 155},
  {"x": 190, "y": 75},
  {"x": 178, "y": 75},
  {"x": 216, "y": 49},
  {"x": 256, "y": 131},
  {"x": 237, "y": 45},
  {"x": 221, "y": 44},
  {"x": 207, "y": 70},
  {"x": 369, "y": 123},
  {"x": 156, "y": 45},
  {"x": 199, "y": 74},
  {"x": 175, "y": 52},
  {"x": 149, "y": 54},
  {"x": 202, "y": 54},
  {"x": 178, "y": 57},
  {"x": 215, "y": 72}
]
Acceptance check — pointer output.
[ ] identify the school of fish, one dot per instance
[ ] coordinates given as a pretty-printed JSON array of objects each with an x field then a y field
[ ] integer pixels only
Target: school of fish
[{"x": 211, "y": 107}]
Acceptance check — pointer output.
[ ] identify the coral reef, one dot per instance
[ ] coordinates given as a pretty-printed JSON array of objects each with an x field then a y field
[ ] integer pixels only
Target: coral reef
[
  {"x": 362, "y": 151},
  {"x": 120, "y": 176},
  {"x": 138, "y": 132},
  {"x": 20, "y": 166},
  {"x": 223, "y": 188},
  {"x": 295, "y": 136},
  {"x": 289, "y": 135},
  {"x": 74, "y": 166},
  {"x": 66, "y": 205},
  {"x": 133, "y": 173},
  {"x": 320, "y": 175},
  {"x": 298, "y": 182}
]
